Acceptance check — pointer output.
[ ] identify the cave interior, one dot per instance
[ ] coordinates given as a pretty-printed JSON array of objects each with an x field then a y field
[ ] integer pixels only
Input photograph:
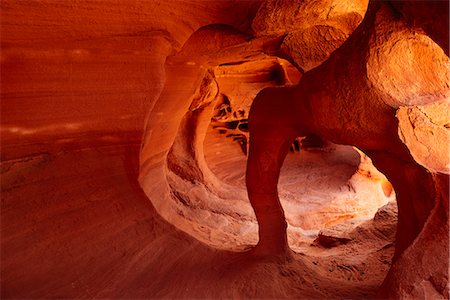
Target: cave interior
[{"x": 225, "y": 149}]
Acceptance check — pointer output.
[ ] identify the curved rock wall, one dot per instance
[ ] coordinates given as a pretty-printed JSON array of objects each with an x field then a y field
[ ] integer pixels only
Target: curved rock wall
[
  {"x": 69, "y": 71},
  {"x": 216, "y": 93},
  {"x": 338, "y": 101},
  {"x": 387, "y": 68}
]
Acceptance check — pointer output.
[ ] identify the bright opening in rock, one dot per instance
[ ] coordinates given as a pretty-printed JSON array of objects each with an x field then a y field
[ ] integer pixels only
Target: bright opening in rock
[
  {"x": 253, "y": 126},
  {"x": 326, "y": 190}
]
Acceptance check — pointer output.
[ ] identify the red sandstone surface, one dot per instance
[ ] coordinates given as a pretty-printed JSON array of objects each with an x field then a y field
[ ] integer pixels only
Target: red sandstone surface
[{"x": 225, "y": 149}]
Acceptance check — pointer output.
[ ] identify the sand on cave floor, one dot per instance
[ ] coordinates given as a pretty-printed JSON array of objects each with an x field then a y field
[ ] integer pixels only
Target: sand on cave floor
[{"x": 75, "y": 224}]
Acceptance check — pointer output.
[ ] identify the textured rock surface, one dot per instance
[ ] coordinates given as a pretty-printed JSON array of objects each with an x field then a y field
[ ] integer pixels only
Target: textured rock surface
[
  {"x": 194, "y": 89},
  {"x": 179, "y": 181},
  {"x": 71, "y": 71},
  {"x": 75, "y": 224},
  {"x": 336, "y": 101},
  {"x": 312, "y": 29},
  {"x": 401, "y": 56},
  {"x": 425, "y": 130}
]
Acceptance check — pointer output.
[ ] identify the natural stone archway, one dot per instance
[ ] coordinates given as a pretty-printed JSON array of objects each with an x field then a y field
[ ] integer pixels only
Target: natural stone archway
[
  {"x": 337, "y": 101},
  {"x": 80, "y": 79},
  {"x": 187, "y": 193},
  {"x": 173, "y": 152},
  {"x": 220, "y": 50}
]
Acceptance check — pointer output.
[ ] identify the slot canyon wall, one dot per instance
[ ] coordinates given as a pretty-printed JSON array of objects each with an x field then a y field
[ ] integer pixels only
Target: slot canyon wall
[{"x": 225, "y": 149}]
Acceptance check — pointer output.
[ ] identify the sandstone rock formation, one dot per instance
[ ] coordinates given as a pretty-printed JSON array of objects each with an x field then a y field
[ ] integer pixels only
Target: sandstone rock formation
[
  {"x": 312, "y": 29},
  {"x": 335, "y": 101},
  {"x": 282, "y": 135}
]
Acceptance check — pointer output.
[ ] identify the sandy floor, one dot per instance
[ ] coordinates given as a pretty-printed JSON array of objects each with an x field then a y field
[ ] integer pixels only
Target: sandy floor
[{"x": 75, "y": 224}]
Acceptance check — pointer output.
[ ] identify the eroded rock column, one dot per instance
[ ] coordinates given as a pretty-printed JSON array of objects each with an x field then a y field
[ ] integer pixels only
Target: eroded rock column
[
  {"x": 271, "y": 136},
  {"x": 375, "y": 92}
]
